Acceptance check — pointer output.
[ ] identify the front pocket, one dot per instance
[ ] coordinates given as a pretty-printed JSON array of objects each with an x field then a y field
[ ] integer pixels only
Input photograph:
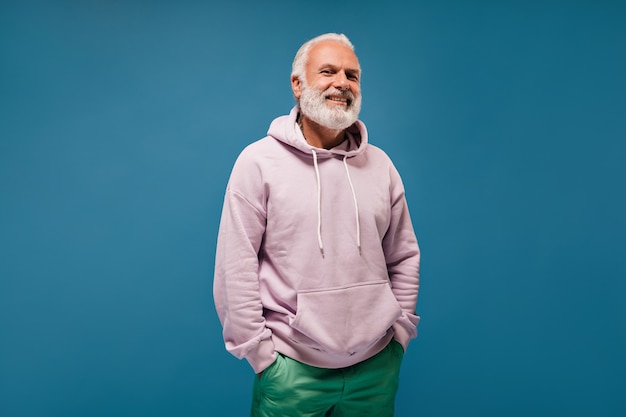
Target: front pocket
[{"x": 348, "y": 319}]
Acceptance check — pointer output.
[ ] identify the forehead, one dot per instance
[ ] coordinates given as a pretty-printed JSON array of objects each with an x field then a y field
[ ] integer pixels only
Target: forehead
[{"x": 332, "y": 53}]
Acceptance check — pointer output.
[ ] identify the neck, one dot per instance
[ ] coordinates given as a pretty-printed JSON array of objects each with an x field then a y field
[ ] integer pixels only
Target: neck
[{"x": 320, "y": 136}]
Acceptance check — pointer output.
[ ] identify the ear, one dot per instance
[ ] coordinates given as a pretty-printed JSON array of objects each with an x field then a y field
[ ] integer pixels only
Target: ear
[{"x": 296, "y": 86}]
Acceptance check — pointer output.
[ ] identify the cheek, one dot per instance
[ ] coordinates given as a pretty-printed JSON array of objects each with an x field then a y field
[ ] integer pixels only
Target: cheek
[{"x": 321, "y": 84}]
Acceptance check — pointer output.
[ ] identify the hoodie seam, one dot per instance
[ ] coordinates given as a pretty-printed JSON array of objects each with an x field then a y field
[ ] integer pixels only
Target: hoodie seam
[
  {"x": 245, "y": 199},
  {"x": 343, "y": 287}
]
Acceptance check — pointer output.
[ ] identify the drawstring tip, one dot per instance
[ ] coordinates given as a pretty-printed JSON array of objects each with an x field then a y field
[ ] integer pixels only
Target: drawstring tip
[
  {"x": 322, "y": 252},
  {"x": 359, "y": 250}
]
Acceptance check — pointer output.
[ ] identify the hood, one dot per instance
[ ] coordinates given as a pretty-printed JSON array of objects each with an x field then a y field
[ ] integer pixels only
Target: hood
[{"x": 286, "y": 130}]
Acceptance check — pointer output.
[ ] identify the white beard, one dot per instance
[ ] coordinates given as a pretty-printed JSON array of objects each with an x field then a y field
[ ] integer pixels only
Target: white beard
[{"x": 313, "y": 105}]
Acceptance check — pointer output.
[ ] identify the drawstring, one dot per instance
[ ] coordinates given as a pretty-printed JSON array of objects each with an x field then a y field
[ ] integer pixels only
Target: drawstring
[
  {"x": 319, "y": 203},
  {"x": 356, "y": 205}
]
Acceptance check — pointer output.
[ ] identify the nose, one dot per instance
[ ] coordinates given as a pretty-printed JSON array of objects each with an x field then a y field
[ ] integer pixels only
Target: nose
[{"x": 341, "y": 81}]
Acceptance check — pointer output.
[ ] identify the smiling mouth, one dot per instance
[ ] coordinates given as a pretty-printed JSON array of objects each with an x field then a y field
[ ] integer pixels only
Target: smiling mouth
[{"x": 341, "y": 100}]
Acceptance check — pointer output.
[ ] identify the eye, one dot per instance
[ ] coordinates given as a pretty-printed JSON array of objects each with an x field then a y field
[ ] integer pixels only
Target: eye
[{"x": 325, "y": 72}]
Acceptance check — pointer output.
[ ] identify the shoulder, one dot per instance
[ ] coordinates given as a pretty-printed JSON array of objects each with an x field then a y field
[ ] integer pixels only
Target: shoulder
[
  {"x": 257, "y": 151},
  {"x": 376, "y": 152},
  {"x": 262, "y": 145},
  {"x": 377, "y": 155}
]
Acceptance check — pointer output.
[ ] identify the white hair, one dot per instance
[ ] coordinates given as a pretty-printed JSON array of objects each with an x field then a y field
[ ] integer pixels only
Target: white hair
[{"x": 299, "y": 62}]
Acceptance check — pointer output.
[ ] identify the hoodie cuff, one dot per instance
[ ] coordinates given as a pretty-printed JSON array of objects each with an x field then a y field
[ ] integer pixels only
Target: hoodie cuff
[
  {"x": 263, "y": 356},
  {"x": 405, "y": 329}
]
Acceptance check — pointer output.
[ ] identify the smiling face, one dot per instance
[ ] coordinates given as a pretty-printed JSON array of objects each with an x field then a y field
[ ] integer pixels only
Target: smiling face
[{"x": 330, "y": 92}]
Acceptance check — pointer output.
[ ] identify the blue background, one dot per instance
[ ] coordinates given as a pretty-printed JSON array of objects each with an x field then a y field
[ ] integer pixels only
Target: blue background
[{"x": 119, "y": 124}]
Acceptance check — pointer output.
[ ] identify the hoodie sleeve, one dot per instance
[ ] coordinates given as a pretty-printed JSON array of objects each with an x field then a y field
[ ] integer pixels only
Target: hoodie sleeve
[
  {"x": 402, "y": 255},
  {"x": 236, "y": 282}
]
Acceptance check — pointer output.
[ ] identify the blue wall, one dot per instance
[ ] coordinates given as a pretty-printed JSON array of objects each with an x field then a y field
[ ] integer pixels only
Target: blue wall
[{"x": 120, "y": 121}]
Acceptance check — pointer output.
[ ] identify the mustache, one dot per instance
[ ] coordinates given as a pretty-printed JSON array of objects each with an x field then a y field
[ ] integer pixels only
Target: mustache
[{"x": 332, "y": 91}]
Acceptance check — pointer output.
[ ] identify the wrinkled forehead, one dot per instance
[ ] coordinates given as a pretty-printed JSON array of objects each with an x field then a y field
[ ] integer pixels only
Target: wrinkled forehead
[{"x": 332, "y": 53}]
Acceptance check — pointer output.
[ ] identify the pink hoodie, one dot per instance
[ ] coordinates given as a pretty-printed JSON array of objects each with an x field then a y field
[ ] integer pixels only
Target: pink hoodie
[{"x": 316, "y": 255}]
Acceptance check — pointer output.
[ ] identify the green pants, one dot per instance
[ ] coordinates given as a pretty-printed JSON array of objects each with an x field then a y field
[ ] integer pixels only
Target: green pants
[{"x": 289, "y": 388}]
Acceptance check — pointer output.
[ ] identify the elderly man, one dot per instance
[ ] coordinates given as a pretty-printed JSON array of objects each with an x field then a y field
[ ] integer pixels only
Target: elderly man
[{"x": 317, "y": 264}]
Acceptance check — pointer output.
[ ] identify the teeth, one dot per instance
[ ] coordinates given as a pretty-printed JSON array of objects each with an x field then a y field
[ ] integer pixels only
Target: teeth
[{"x": 341, "y": 99}]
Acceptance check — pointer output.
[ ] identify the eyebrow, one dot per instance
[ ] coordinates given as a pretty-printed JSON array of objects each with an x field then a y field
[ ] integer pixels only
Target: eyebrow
[{"x": 334, "y": 67}]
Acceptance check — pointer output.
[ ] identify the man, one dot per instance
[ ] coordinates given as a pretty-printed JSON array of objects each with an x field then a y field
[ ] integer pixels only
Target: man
[{"x": 317, "y": 264}]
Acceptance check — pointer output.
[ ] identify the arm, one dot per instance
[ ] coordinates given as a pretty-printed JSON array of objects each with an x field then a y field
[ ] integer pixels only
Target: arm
[
  {"x": 236, "y": 282},
  {"x": 402, "y": 255}
]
